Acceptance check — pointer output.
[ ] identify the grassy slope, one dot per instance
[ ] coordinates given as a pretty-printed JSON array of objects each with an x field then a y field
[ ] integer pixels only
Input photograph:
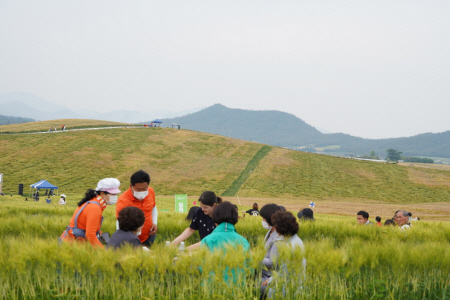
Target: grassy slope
[{"x": 182, "y": 161}]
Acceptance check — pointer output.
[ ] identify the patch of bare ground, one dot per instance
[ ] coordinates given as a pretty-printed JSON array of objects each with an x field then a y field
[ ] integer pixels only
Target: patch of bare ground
[
  {"x": 426, "y": 211},
  {"x": 426, "y": 166},
  {"x": 429, "y": 179}
]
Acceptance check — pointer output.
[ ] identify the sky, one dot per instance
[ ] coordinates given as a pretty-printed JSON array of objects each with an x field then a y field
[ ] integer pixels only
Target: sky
[{"x": 373, "y": 69}]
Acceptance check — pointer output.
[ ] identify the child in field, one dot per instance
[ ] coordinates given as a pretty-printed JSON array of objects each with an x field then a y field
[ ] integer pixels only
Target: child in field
[
  {"x": 378, "y": 223},
  {"x": 131, "y": 220}
]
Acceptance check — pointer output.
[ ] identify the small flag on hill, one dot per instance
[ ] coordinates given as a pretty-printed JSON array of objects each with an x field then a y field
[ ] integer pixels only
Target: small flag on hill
[{"x": 312, "y": 204}]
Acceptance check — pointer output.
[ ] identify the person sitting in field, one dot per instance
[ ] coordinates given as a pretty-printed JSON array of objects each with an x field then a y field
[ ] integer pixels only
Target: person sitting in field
[
  {"x": 362, "y": 217},
  {"x": 306, "y": 214},
  {"x": 378, "y": 223},
  {"x": 191, "y": 213},
  {"x": 254, "y": 211},
  {"x": 402, "y": 219},
  {"x": 131, "y": 220},
  {"x": 412, "y": 219},
  {"x": 286, "y": 227},
  {"x": 225, "y": 216},
  {"x": 62, "y": 200},
  {"x": 389, "y": 222},
  {"x": 202, "y": 220}
]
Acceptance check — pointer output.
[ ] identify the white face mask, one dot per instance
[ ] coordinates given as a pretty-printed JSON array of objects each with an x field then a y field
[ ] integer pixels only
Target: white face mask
[
  {"x": 140, "y": 195},
  {"x": 112, "y": 200},
  {"x": 266, "y": 225}
]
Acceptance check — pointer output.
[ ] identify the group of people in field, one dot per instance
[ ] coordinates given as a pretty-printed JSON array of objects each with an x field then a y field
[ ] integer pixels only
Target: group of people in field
[
  {"x": 401, "y": 218},
  {"x": 215, "y": 220}
]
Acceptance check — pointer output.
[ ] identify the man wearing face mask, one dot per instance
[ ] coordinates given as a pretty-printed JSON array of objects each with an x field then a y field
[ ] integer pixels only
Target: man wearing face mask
[
  {"x": 142, "y": 196},
  {"x": 87, "y": 220}
]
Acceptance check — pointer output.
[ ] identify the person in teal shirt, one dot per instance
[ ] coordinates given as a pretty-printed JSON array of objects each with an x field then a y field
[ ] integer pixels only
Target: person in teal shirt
[{"x": 225, "y": 238}]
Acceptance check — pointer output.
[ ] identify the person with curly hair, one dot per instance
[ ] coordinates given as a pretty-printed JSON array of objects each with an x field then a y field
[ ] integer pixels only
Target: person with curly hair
[
  {"x": 131, "y": 220},
  {"x": 286, "y": 229}
]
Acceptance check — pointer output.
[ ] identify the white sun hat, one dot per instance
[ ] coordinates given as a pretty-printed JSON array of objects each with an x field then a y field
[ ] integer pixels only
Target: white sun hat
[{"x": 110, "y": 185}]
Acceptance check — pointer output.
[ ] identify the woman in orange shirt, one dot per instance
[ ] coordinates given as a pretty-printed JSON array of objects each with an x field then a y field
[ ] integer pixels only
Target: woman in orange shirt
[{"x": 87, "y": 220}]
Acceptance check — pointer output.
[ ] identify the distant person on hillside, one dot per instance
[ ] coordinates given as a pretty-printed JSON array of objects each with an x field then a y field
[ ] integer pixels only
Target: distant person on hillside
[
  {"x": 48, "y": 200},
  {"x": 191, "y": 213},
  {"x": 306, "y": 214},
  {"x": 378, "y": 223},
  {"x": 362, "y": 217},
  {"x": 389, "y": 222},
  {"x": 252, "y": 212},
  {"x": 87, "y": 219},
  {"x": 142, "y": 196},
  {"x": 402, "y": 219},
  {"x": 26, "y": 199},
  {"x": 202, "y": 220},
  {"x": 131, "y": 220}
]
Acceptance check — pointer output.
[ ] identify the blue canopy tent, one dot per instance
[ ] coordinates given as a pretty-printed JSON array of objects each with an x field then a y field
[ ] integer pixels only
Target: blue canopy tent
[
  {"x": 43, "y": 184},
  {"x": 157, "y": 121}
]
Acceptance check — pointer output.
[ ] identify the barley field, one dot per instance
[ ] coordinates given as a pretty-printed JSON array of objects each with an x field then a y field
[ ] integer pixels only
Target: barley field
[{"x": 344, "y": 261}]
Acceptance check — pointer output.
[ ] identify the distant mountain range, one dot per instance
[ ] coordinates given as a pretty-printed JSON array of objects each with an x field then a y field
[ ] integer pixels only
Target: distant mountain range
[
  {"x": 25, "y": 105},
  {"x": 286, "y": 130}
]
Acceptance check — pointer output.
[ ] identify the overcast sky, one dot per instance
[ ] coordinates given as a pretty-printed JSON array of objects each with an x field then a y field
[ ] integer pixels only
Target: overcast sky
[{"x": 373, "y": 69}]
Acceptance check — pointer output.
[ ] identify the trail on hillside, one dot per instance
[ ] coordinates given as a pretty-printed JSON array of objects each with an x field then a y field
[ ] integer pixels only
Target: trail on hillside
[
  {"x": 245, "y": 174},
  {"x": 74, "y": 129}
]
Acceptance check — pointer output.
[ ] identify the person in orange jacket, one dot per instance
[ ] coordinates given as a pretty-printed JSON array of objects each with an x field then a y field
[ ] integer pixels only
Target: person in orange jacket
[
  {"x": 142, "y": 196},
  {"x": 87, "y": 220}
]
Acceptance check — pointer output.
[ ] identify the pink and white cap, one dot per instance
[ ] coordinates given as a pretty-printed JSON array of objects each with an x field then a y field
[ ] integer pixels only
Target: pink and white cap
[{"x": 110, "y": 185}]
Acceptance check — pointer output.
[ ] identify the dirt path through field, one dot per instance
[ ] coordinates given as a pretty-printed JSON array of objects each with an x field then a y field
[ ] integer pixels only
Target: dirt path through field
[{"x": 427, "y": 211}]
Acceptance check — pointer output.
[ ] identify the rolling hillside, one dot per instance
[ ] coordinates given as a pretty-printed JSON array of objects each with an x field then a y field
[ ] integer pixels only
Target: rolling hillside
[
  {"x": 184, "y": 161},
  {"x": 286, "y": 130}
]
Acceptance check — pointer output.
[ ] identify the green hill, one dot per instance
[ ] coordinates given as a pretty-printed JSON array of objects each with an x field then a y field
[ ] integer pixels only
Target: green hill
[
  {"x": 6, "y": 120},
  {"x": 184, "y": 161},
  {"x": 286, "y": 130}
]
